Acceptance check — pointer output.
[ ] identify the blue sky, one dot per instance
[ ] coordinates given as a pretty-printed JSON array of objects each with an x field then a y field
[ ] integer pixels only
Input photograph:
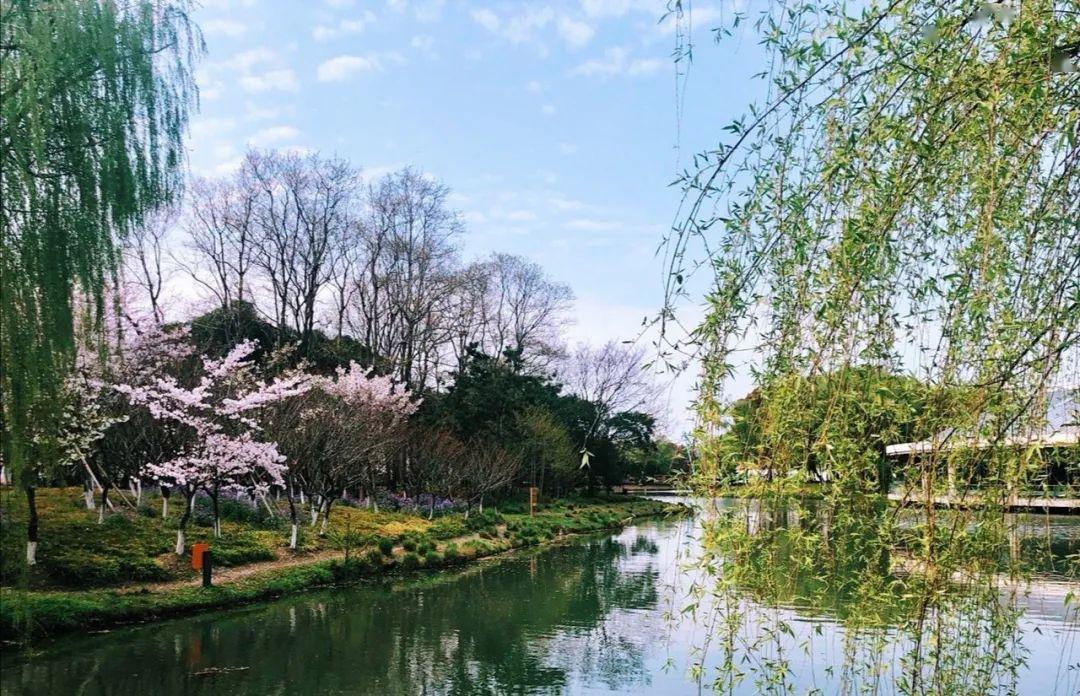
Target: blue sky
[{"x": 555, "y": 124}]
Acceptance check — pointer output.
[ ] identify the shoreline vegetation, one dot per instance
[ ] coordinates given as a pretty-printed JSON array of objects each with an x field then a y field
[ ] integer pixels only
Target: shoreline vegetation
[{"x": 102, "y": 580}]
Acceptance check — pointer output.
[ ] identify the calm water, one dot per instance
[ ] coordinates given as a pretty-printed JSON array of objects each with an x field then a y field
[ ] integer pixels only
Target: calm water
[{"x": 589, "y": 617}]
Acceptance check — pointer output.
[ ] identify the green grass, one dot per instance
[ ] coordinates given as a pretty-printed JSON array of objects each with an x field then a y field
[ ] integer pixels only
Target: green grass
[{"x": 83, "y": 566}]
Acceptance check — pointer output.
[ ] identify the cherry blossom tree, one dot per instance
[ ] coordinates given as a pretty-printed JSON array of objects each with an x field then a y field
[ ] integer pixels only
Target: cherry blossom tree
[
  {"x": 221, "y": 450},
  {"x": 133, "y": 438},
  {"x": 339, "y": 436}
]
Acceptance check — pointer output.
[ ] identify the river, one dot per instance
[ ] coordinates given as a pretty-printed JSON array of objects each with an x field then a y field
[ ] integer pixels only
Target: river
[{"x": 590, "y": 616}]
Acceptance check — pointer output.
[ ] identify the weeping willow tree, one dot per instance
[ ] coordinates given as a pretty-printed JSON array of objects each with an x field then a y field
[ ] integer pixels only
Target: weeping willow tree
[
  {"x": 903, "y": 201},
  {"x": 95, "y": 102}
]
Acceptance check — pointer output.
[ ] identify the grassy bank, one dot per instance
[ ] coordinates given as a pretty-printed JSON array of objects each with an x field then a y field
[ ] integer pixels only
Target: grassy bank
[{"x": 92, "y": 575}]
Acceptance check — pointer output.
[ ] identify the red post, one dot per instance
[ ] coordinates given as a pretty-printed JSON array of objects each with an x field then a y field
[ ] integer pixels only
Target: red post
[{"x": 197, "y": 551}]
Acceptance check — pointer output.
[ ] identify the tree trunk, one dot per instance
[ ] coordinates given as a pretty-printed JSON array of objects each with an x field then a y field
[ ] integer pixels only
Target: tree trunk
[
  {"x": 104, "y": 503},
  {"x": 217, "y": 516},
  {"x": 31, "y": 527},
  {"x": 165, "y": 492},
  {"x": 292, "y": 517},
  {"x": 88, "y": 496},
  {"x": 327, "y": 502},
  {"x": 188, "y": 503},
  {"x": 431, "y": 509}
]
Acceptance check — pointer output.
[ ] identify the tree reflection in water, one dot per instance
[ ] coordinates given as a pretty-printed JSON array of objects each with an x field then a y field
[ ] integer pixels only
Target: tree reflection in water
[
  {"x": 924, "y": 606},
  {"x": 786, "y": 597},
  {"x": 481, "y": 630}
]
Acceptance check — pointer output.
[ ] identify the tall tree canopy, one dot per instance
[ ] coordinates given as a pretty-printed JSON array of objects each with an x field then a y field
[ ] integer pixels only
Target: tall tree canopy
[
  {"x": 906, "y": 197},
  {"x": 95, "y": 103}
]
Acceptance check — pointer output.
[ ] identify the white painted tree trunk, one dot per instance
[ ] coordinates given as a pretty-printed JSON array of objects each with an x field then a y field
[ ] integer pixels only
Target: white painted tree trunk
[
  {"x": 138, "y": 492},
  {"x": 31, "y": 553},
  {"x": 164, "y": 508},
  {"x": 180, "y": 542},
  {"x": 322, "y": 529},
  {"x": 292, "y": 536},
  {"x": 314, "y": 512},
  {"x": 88, "y": 496},
  {"x": 217, "y": 528},
  {"x": 3, "y": 475},
  {"x": 101, "y": 515},
  {"x": 302, "y": 501}
]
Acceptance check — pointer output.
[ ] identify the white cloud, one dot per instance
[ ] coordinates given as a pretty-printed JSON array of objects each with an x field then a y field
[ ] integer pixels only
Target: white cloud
[
  {"x": 575, "y": 34},
  {"x": 258, "y": 70},
  {"x": 590, "y": 225},
  {"x": 254, "y": 112},
  {"x": 423, "y": 43},
  {"x": 429, "y": 10},
  {"x": 283, "y": 80},
  {"x": 533, "y": 86},
  {"x": 356, "y": 25},
  {"x": 345, "y": 66},
  {"x": 520, "y": 28},
  {"x": 701, "y": 17},
  {"x": 203, "y": 128},
  {"x": 563, "y": 204},
  {"x": 547, "y": 109},
  {"x": 568, "y": 148},
  {"x": 618, "y": 61},
  {"x": 423, "y": 10},
  {"x": 487, "y": 19},
  {"x": 224, "y": 27},
  {"x": 618, "y": 8},
  {"x": 246, "y": 60},
  {"x": 339, "y": 4},
  {"x": 273, "y": 135},
  {"x": 210, "y": 87}
]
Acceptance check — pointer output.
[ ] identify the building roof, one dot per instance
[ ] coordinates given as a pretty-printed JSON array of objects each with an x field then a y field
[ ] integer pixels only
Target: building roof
[{"x": 1060, "y": 427}]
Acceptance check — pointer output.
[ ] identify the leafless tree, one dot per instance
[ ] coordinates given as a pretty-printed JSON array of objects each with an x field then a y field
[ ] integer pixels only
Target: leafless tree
[
  {"x": 143, "y": 254},
  {"x": 525, "y": 310},
  {"x": 487, "y": 468},
  {"x": 305, "y": 206},
  {"x": 403, "y": 285},
  {"x": 614, "y": 377},
  {"x": 437, "y": 463},
  {"x": 221, "y": 232}
]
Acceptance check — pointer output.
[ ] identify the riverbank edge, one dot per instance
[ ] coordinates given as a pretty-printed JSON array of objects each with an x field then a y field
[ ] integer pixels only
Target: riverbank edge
[{"x": 35, "y": 616}]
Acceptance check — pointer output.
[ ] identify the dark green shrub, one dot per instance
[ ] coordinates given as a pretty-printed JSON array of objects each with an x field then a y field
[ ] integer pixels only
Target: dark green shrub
[
  {"x": 374, "y": 557},
  {"x": 386, "y": 546},
  {"x": 409, "y": 544},
  {"x": 478, "y": 521},
  {"x": 410, "y": 561},
  {"x": 432, "y": 558},
  {"x": 448, "y": 527}
]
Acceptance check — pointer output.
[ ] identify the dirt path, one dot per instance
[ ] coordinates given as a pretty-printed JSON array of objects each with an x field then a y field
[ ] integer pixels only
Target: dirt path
[
  {"x": 225, "y": 575},
  {"x": 285, "y": 559}
]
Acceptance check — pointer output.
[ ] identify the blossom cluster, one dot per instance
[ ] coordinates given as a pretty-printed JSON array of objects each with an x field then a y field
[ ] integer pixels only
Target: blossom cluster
[{"x": 221, "y": 450}]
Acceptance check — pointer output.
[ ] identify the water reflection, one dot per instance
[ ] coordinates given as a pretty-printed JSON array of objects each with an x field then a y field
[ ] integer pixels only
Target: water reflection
[
  {"x": 942, "y": 602},
  {"x": 485, "y": 630},
  {"x": 589, "y": 616}
]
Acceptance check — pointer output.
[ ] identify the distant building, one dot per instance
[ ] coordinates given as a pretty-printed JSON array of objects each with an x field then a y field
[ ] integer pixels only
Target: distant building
[{"x": 1058, "y": 432}]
